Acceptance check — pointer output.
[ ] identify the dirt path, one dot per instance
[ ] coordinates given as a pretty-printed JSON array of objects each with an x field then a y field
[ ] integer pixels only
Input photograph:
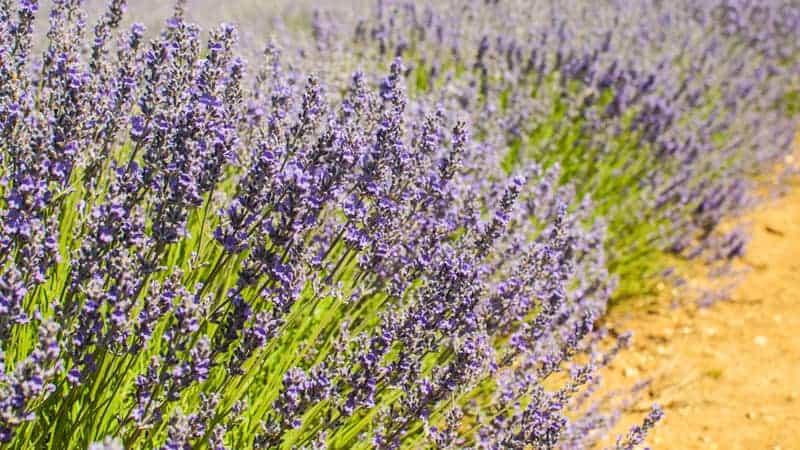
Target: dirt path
[{"x": 728, "y": 377}]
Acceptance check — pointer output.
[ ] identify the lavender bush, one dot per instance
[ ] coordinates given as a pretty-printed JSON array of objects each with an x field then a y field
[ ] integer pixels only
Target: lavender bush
[
  {"x": 202, "y": 253},
  {"x": 661, "y": 112}
]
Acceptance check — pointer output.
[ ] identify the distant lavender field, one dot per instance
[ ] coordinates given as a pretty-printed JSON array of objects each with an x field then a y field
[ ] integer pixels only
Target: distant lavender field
[{"x": 362, "y": 224}]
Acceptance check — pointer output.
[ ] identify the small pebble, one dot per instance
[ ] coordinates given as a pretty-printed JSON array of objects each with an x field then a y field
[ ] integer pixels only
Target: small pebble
[{"x": 709, "y": 443}]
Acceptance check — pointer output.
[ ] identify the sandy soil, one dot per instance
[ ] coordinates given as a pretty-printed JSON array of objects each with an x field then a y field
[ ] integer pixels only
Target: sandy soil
[{"x": 728, "y": 376}]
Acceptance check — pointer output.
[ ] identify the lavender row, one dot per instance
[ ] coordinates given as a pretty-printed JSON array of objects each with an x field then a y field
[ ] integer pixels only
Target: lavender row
[
  {"x": 197, "y": 253},
  {"x": 663, "y": 113}
]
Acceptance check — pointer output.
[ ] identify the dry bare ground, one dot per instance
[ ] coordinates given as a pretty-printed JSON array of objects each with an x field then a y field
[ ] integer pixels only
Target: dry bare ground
[{"x": 727, "y": 376}]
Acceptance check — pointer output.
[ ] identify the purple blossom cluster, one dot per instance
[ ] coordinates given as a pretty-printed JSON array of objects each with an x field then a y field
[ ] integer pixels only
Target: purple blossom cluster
[
  {"x": 200, "y": 253},
  {"x": 663, "y": 109},
  {"x": 223, "y": 261}
]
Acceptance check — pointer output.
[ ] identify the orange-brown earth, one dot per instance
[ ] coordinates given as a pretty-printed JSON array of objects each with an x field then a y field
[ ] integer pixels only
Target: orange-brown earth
[{"x": 727, "y": 376}]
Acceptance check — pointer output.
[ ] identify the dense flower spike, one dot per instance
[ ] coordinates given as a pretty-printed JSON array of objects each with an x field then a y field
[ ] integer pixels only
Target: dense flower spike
[{"x": 198, "y": 253}]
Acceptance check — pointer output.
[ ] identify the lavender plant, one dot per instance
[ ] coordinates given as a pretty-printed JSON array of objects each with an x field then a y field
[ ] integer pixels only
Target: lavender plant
[
  {"x": 663, "y": 113},
  {"x": 201, "y": 253},
  {"x": 193, "y": 257}
]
